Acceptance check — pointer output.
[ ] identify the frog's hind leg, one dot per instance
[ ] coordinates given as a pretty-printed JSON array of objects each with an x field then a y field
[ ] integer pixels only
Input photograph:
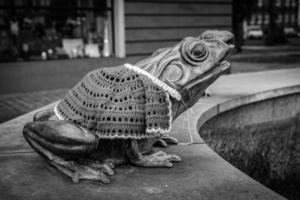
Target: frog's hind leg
[
  {"x": 158, "y": 159},
  {"x": 70, "y": 168},
  {"x": 62, "y": 144}
]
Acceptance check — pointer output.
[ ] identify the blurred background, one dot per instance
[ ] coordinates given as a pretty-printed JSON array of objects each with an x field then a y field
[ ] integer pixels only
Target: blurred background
[
  {"x": 274, "y": 22},
  {"x": 52, "y": 29}
]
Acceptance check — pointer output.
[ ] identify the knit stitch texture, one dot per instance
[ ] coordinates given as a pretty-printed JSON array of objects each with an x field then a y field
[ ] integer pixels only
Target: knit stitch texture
[{"x": 118, "y": 102}]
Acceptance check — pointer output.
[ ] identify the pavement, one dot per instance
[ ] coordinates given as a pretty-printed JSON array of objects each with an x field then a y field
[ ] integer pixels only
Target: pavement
[
  {"x": 14, "y": 105},
  {"x": 201, "y": 175}
]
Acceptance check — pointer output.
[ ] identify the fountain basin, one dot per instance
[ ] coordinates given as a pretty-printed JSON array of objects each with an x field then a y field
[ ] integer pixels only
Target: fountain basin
[{"x": 261, "y": 139}]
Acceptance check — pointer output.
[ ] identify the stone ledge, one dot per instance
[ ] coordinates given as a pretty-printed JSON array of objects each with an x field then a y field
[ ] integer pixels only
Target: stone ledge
[{"x": 201, "y": 175}]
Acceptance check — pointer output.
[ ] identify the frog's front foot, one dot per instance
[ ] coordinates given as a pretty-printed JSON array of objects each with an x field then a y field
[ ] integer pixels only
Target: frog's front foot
[
  {"x": 165, "y": 139},
  {"x": 66, "y": 147},
  {"x": 158, "y": 159}
]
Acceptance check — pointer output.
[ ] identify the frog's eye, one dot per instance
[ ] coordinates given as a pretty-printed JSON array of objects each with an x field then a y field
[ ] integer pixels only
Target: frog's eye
[
  {"x": 199, "y": 52},
  {"x": 173, "y": 73},
  {"x": 194, "y": 51}
]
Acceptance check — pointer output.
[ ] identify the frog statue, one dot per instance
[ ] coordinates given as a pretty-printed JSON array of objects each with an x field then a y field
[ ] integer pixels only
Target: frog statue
[{"x": 115, "y": 115}]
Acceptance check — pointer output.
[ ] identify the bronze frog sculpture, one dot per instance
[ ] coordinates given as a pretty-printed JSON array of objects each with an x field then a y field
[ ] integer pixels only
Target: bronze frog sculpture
[{"x": 115, "y": 115}]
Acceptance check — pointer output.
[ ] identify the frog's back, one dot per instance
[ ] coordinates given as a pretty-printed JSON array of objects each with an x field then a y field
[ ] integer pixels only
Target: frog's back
[{"x": 117, "y": 103}]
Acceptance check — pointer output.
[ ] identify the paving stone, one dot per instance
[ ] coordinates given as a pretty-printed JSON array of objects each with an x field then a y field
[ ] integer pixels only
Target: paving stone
[{"x": 14, "y": 105}]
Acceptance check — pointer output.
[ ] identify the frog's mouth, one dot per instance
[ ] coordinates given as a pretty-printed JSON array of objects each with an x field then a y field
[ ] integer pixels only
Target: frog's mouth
[{"x": 207, "y": 78}]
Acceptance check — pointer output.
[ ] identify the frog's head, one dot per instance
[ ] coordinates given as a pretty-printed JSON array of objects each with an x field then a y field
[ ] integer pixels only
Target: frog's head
[{"x": 191, "y": 65}]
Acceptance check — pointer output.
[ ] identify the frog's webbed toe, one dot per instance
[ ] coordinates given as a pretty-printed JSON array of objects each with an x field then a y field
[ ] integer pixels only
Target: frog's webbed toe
[
  {"x": 165, "y": 139},
  {"x": 158, "y": 159},
  {"x": 95, "y": 164},
  {"x": 65, "y": 146},
  {"x": 79, "y": 171}
]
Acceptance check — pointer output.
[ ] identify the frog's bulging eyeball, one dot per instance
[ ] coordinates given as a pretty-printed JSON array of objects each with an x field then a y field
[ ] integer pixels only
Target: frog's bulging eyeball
[{"x": 193, "y": 51}]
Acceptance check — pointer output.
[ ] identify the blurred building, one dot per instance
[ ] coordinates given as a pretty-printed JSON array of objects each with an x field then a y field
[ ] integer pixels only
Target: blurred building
[
  {"x": 56, "y": 29},
  {"x": 153, "y": 24},
  {"x": 53, "y": 29},
  {"x": 61, "y": 40},
  {"x": 285, "y": 12}
]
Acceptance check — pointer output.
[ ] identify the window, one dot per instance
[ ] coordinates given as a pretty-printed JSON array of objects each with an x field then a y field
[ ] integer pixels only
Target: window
[{"x": 55, "y": 29}]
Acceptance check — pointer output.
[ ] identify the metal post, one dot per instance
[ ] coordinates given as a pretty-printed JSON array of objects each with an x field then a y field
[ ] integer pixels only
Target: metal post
[{"x": 119, "y": 28}]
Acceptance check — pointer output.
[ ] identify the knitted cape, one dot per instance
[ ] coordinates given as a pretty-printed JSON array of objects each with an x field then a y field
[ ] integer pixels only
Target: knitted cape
[{"x": 119, "y": 102}]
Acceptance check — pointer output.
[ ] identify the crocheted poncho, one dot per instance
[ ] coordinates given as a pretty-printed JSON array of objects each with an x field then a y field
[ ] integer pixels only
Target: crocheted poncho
[{"x": 119, "y": 102}]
